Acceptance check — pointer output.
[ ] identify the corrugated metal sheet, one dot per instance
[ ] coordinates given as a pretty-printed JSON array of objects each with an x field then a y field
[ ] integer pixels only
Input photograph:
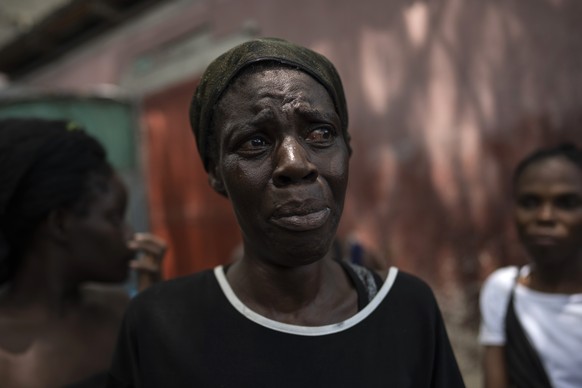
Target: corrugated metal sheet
[{"x": 197, "y": 222}]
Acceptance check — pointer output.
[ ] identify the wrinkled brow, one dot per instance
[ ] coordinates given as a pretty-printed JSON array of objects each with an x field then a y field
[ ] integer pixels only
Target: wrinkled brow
[{"x": 312, "y": 114}]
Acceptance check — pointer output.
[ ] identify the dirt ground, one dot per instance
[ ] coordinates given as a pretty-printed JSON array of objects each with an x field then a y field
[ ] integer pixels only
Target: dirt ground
[
  {"x": 462, "y": 328},
  {"x": 467, "y": 351}
]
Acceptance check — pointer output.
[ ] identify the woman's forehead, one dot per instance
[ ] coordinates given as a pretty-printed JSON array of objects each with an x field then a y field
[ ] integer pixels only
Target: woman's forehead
[
  {"x": 556, "y": 170},
  {"x": 289, "y": 86}
]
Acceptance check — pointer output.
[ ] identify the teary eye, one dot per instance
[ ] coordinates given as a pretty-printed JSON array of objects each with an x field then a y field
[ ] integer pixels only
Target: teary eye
[
  {"x": 254, "y": 144},
  {"x": 321, "y": 135},
  {"x": 257, "y": 142}
]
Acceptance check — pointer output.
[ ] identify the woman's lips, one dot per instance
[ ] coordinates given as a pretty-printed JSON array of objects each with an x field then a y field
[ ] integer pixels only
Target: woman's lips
[
  {"x": 543, "y": 240},
  {"x": 300, "y": 222}
]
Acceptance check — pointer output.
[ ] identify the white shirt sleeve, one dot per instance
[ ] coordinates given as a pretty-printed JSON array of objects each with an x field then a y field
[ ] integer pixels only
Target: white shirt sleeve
[{"x": 493, "y": 304}]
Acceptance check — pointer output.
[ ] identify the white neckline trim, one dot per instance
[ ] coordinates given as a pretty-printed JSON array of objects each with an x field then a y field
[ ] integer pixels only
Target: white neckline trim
[{"x": 304, "y": 330}]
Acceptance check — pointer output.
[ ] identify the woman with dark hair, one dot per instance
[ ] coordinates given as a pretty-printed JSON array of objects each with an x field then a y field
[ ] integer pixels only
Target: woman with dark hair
[
  {"x": 62, "y": 226},
  {"x": 270, "y": 121},
  {"x": 532, "y": 316}
]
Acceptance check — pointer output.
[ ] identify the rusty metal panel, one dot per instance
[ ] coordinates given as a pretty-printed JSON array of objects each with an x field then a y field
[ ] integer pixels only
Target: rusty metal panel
[{"x": 198, "y": 224}]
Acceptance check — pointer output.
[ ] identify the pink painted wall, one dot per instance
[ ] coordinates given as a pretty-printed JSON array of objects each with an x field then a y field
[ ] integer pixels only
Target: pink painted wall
[{"x": 444, "y": 97}]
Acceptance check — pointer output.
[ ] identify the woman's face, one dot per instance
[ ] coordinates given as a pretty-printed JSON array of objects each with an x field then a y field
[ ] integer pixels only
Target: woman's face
[
  {"x": 549, "y": 210},
  {"x": 283, "y": 162},
  {"x": 99, "y": 235}
]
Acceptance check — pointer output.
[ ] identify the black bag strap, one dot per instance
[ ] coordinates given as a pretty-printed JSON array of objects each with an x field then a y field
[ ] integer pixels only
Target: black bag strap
[
  {"x": 366, "y": 282},
  {"x": 524, "y": 367}
]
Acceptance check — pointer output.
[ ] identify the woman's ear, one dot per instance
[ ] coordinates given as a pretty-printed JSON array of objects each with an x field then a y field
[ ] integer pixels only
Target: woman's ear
[{"x": 215, "y": 180}]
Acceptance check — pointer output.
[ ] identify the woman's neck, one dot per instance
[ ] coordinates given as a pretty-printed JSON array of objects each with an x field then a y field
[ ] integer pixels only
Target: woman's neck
[
  {"x": 40, "y": 289},
  {"x": 299, "y": 295},
  {"x": 555, "y": 279}
]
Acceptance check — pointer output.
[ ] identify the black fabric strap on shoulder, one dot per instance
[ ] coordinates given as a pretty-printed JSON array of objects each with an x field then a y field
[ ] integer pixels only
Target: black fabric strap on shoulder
[
  {"x": 366, "y": 282},
  {"x": 377, "y": 279},
  {"x": 524, "y": 367}
]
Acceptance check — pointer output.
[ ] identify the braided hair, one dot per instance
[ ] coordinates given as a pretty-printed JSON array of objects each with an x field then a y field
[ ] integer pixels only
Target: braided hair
[
  {"x": 44, "y": 165},
  {"x": 566, "y": 150}
]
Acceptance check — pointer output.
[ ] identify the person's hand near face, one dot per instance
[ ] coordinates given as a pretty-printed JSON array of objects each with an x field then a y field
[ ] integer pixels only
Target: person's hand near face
[{"x": 150, "y": 251}]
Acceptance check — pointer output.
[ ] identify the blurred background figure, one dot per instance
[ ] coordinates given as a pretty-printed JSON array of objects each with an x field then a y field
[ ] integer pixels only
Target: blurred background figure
[
  {"x": 63, "y": 237},
  {"x": 532, "y": 316}
]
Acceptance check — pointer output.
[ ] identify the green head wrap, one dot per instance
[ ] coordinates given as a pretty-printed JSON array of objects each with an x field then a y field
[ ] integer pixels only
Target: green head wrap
[{"x": 223, "y": 70}]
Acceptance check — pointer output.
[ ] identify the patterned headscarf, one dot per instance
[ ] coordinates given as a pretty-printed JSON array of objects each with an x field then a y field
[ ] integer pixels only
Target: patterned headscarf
[{"x": 223, "y": 70}]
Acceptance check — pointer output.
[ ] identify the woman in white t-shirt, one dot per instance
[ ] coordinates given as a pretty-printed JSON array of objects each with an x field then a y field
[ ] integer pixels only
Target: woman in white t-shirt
[{"x": 531, "y": 325}]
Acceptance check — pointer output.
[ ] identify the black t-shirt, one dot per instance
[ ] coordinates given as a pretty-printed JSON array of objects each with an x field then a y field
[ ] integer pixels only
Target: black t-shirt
[{"x": 193, "y": 332}]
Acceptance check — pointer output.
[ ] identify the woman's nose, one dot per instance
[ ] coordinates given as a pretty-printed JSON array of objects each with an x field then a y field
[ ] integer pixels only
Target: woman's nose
[
  {"x": 545, "y": 213},
  {"x": 292, "y": 164}
]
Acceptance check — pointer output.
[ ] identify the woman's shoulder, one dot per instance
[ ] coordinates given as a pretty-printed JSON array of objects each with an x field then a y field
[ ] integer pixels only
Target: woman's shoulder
[
  {"x": 104, "y": 302},
  {"x": 408, "y": 284},
  {"x": 176, "y": 290},
  {"x": 496, "y": 289},
  {"x": 410, "y": 281},
  {"x": 502, "y": 279},
  {"x": 180, "y": 284}
]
